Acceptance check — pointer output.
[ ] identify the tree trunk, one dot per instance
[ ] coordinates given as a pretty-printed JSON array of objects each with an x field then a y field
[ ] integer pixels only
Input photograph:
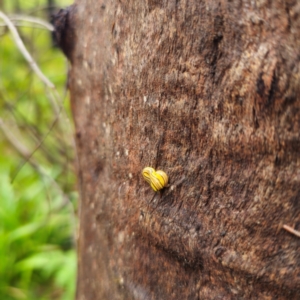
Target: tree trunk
[{"x": 207, "y": 91}]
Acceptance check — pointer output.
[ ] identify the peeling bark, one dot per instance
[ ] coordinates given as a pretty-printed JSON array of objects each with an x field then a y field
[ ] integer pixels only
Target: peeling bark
[{"x": 207, "y": 91}]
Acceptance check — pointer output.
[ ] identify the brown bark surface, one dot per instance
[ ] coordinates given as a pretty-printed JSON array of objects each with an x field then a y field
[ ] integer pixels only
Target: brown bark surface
[{"x": 207, "y": 91}]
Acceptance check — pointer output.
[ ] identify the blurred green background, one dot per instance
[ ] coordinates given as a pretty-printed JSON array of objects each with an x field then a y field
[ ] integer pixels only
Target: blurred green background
[{"x": 38, "y": 198}]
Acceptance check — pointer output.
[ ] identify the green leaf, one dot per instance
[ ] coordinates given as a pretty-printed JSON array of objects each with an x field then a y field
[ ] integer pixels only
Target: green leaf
[{"x": 24, "y": 231}]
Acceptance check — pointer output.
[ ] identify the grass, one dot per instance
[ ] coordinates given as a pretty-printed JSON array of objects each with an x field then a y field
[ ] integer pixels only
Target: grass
[{"x": 38, "y": 198}]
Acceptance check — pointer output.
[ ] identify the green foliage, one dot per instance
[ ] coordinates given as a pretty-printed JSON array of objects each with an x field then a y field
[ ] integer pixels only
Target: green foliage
[{"x": 37, "y": 188}]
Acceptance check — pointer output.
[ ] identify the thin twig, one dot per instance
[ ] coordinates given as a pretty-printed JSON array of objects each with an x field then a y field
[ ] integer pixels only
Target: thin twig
[
  {"x": 39, "y": 144},
  {"x": 54, "y": 98},
  {"x": 24, "y": 51},
  {"x": 14, "y": 141},
  {"x": 27, "y": 155},
  {"x": 34, "y": 20},
  {"x": 291, "y": 230},
  {"x": 21, "y": 24}
]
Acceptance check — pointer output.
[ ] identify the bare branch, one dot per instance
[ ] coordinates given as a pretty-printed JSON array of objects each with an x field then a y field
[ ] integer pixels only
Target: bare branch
[
  {"x": 33, "y": 20},
  {"x": 291, "y": 230},
  {"x": 24, "y": 51},
  {"x": 21, "y": 24},
  {"x": 14, "y": 141},
  {"x": 27, "y": 155}
]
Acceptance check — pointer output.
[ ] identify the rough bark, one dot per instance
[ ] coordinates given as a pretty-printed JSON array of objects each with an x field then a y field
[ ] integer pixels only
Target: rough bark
[{"x": 207, "y": 91}]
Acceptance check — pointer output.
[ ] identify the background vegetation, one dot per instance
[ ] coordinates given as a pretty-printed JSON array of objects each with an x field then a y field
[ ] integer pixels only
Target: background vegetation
[{"x": 37, "y": 181}]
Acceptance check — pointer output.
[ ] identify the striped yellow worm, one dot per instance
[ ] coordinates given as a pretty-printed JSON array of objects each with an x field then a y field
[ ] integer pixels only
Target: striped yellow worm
[{"x": 157, "y": 179}]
